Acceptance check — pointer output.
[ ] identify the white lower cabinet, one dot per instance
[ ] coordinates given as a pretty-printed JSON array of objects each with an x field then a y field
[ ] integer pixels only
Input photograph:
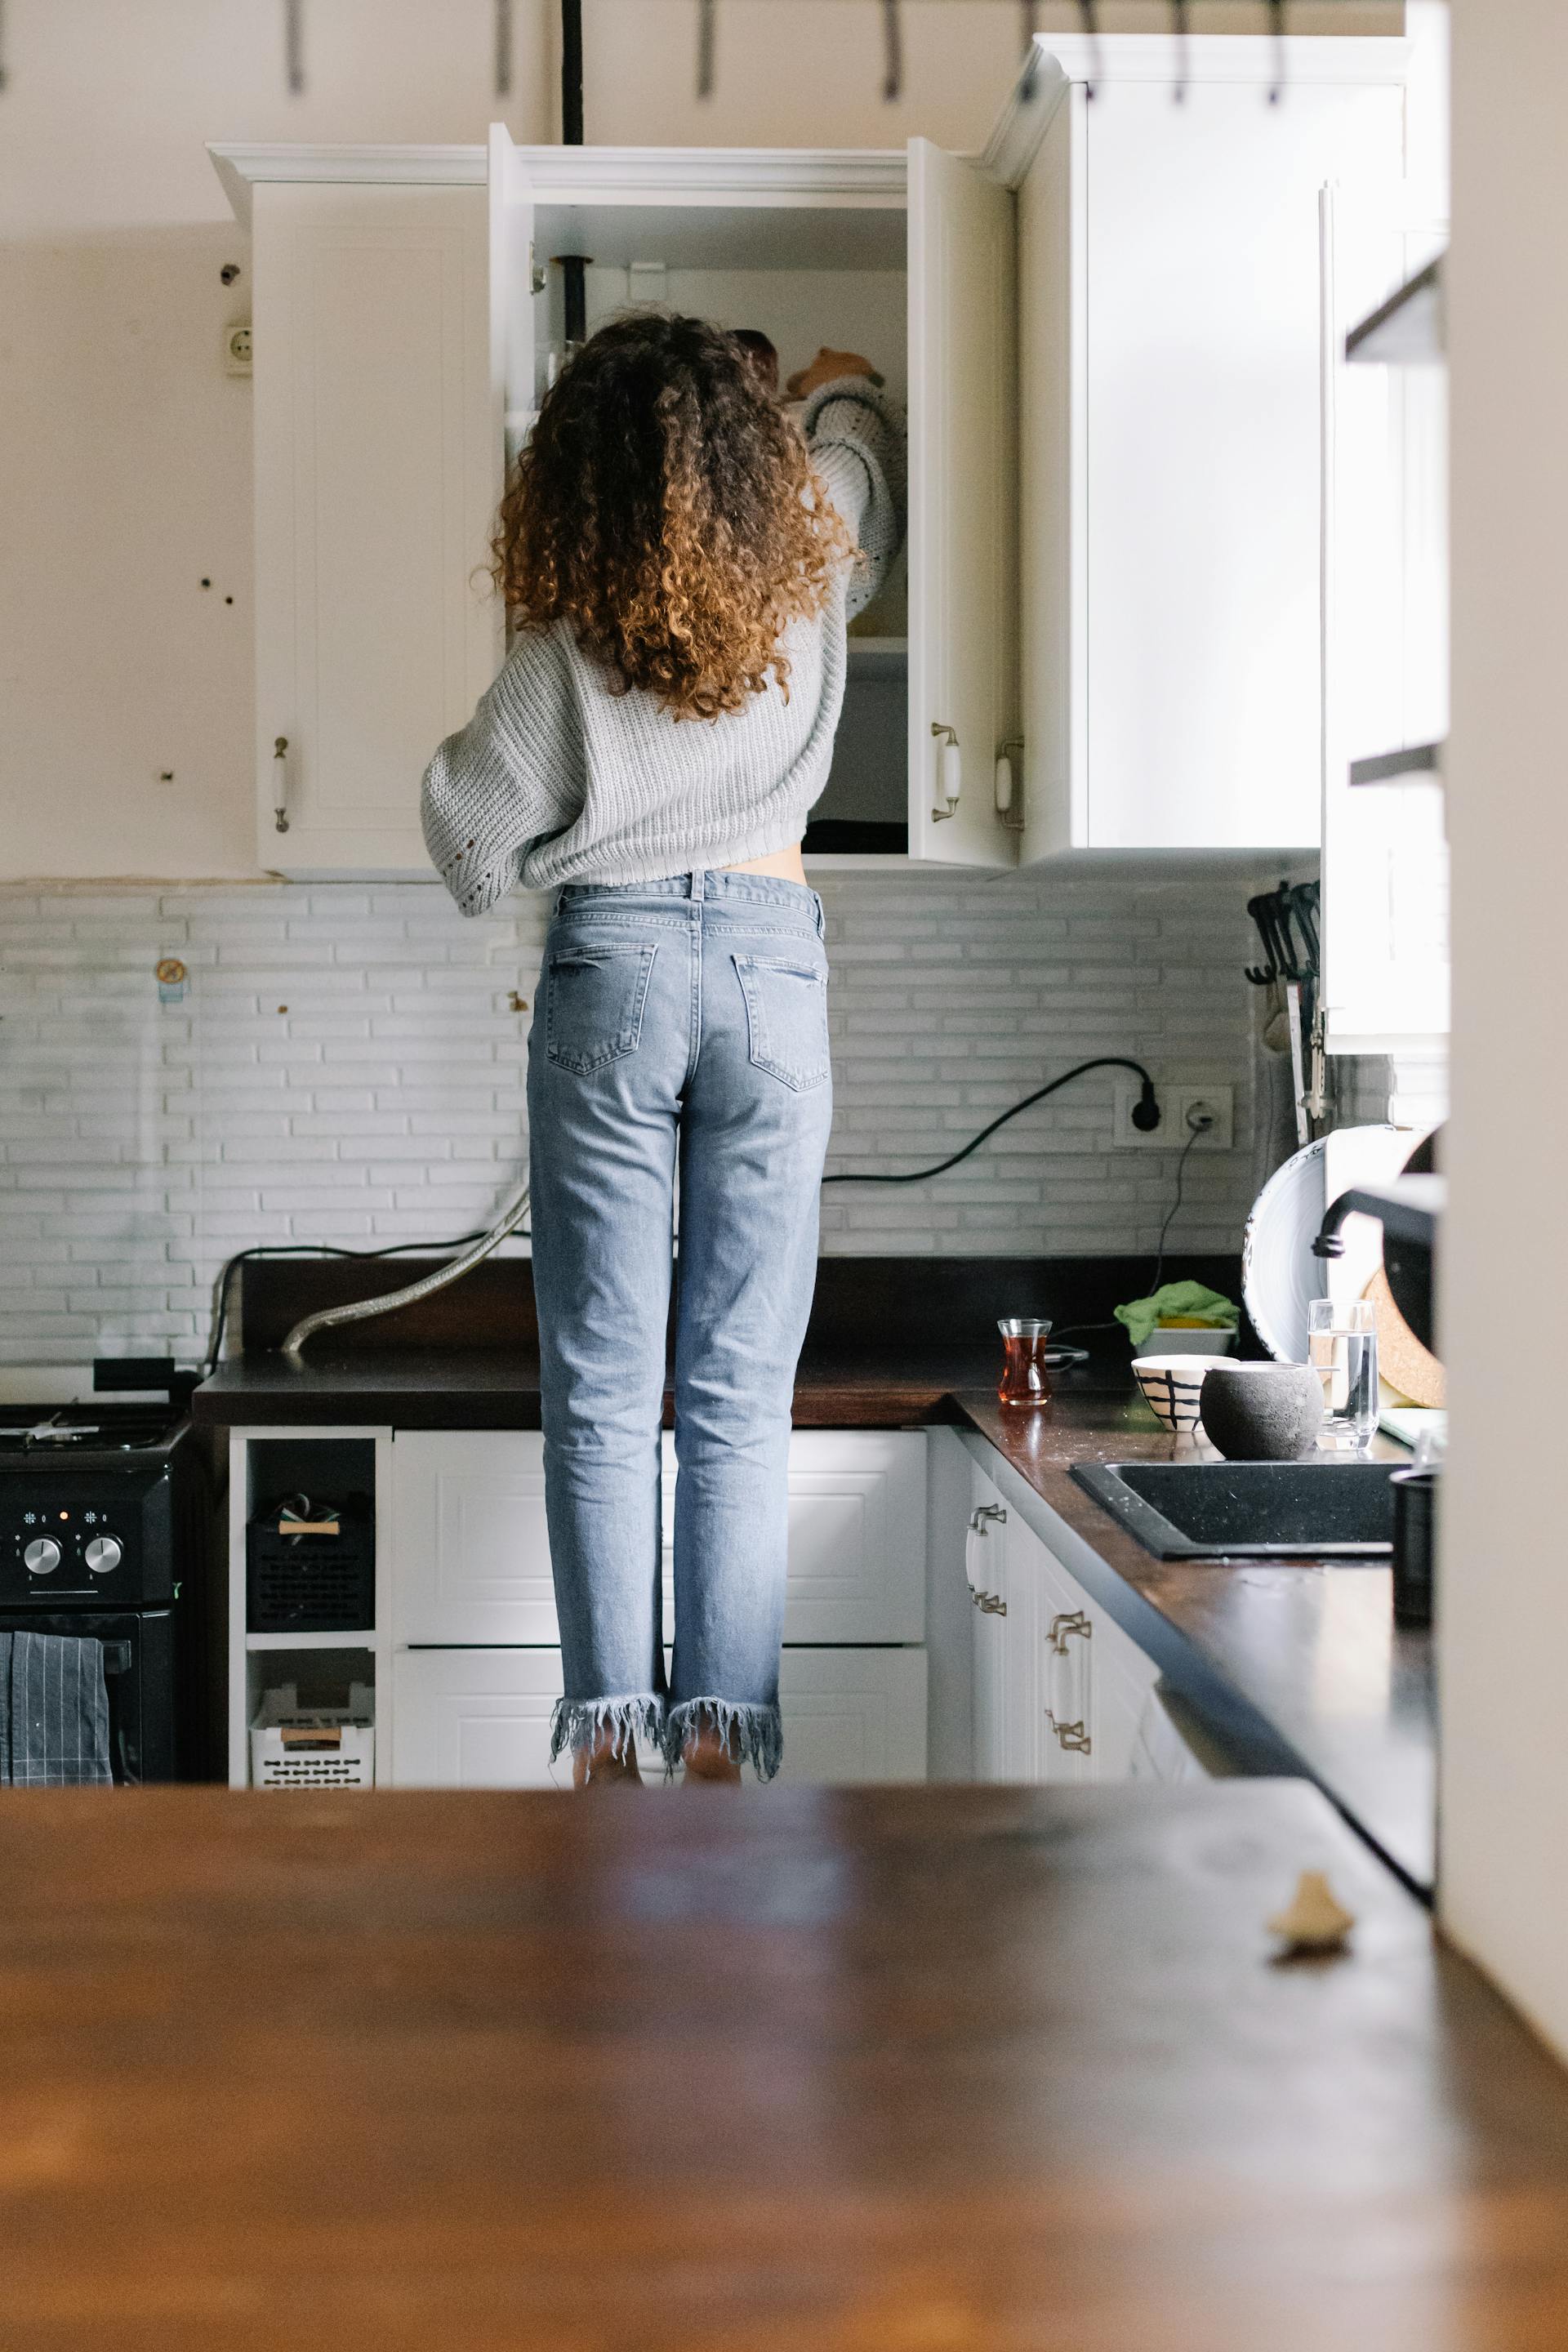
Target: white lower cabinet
[
  {"x": 1061, "y": 1693},
  {"x": 475, "y": 1661},
  {"x": 472, "y": 1551},
  {"x": 481, "y": 1718}
]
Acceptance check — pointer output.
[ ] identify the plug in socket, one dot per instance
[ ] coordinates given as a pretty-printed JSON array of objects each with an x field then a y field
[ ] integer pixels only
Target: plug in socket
[{"x": 1176, "y": 1103}]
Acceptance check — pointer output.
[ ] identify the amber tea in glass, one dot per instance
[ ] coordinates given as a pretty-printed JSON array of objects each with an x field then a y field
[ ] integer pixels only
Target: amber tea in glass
[{"x": 1023, "y": 1377}]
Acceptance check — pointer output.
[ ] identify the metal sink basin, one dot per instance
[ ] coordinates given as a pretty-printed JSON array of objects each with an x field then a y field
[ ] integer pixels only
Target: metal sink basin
[{"x": 1250, "y": 1511}]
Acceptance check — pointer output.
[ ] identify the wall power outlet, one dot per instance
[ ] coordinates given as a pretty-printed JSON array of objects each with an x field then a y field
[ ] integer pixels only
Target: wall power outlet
[{"x": 1176, "y": 1104}]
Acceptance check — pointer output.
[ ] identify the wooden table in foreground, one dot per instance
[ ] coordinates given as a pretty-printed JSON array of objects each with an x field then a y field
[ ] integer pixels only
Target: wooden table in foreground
[{"x": 869, "y": 2071}]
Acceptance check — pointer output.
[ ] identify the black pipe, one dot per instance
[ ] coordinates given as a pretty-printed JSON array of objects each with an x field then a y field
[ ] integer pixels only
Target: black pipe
[
  {"x": 571, "y": 73},
  {"x": 574, "y": 269}
]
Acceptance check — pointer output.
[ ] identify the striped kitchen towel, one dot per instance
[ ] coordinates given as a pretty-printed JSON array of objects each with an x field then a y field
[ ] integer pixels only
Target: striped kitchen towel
[{"x": 54, "y": 1711}]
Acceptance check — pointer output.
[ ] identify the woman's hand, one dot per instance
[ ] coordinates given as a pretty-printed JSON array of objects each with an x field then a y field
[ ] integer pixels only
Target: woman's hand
[{"x": 825, "y": 368}]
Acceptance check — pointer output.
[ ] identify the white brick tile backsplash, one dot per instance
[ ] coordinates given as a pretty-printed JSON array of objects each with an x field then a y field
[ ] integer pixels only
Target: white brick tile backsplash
[{"x": 346, "y": 1067}]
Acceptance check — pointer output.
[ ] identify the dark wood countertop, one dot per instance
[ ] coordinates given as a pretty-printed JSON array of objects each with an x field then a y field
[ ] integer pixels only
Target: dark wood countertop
[
  {"x": 494, "y": 1388},
  {"x": 1291, "y": 1665},
  {"x": 836, "y": 2071}
]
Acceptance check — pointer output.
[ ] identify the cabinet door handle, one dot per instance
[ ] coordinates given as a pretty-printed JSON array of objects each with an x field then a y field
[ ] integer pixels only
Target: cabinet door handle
[
  {"x": 280, "y": 784},
  {"x": 979, "y": 1524},
  {"x": 949, "y": 771},
  {"x": 1067, "y": 1622}
]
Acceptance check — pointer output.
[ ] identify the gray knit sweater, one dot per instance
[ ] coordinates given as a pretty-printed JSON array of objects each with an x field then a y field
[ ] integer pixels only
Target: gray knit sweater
[{"x": 558, "y": 779}]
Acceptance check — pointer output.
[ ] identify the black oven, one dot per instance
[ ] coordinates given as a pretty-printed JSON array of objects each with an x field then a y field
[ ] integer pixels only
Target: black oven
[{"x": 104, "y": 1515}]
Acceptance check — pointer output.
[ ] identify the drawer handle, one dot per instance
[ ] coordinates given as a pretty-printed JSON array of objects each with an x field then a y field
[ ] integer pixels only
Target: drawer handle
[
  {"x": 1072, "y": 1737},
  {"x": 1065, "y": 1623}
]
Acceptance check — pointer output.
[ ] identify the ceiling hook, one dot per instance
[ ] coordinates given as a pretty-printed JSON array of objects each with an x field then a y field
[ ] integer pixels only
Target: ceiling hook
[
  {"x": 892, "y": 52},
  {"x": 503, "y": 48},
  {"x": 1089, "y": 10},
  {"x": 1276, "y": 29},
  {"x": 1031, "y": 61},
  {"x": 707, "y": 45},
  {"x": 294, "y": 44}
]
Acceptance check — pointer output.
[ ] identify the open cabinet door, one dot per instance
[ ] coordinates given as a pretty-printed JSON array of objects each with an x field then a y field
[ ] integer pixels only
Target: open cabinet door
[
  {"x": 512, "y": 289},
  {"x": 962, "y": 508},
  {"x": 1052, "y": 478},
  {"x": 1386, "y": 858}
]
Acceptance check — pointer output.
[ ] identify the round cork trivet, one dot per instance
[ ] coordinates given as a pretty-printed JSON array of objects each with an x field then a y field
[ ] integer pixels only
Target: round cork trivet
[{"x": 1402, "y": 1360}]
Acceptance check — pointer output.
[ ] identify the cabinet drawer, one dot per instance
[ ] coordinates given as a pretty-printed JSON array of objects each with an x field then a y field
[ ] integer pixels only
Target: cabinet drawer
[
  {"x": 481, "y": 1718},
  {"x": 472, "y": 1551}
]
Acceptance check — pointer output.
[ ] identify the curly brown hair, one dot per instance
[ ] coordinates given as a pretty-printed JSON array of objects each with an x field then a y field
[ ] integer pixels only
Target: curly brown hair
[{"x": 667, "y": 509}]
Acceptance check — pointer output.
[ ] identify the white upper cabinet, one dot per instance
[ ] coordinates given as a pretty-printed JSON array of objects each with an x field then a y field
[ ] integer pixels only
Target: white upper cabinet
[
  {"x": 1172, "y": 335},
  {"x": 964, "y": 670},
  {"x": 1385, "y": 855},
  {"x": 377, "y": 473},
  {"x": 1109, "y": 332}
]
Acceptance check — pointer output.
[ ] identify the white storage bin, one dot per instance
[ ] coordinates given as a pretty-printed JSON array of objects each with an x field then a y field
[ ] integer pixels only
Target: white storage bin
[{"x": 293, "y": 1747}]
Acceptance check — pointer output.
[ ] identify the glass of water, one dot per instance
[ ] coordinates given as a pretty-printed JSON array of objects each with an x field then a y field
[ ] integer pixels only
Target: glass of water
[{"x": 1342, "y": 1347}]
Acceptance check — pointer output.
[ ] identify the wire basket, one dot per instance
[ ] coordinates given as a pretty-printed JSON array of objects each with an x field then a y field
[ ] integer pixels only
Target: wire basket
[{"x": 293, "y": 1747}]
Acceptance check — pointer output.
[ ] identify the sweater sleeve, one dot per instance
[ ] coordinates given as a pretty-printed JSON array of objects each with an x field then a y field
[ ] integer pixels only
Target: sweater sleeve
[
  {"x": 857, "y": 445},
  {"x": 512, "y": 775}
]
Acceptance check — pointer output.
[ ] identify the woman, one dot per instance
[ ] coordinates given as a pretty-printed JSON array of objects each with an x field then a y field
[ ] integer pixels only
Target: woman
[{"x": 679, "y": 558}]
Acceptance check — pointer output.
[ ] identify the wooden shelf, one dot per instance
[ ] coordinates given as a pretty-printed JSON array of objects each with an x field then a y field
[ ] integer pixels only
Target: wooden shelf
[{"x": 1408, "y": 330}]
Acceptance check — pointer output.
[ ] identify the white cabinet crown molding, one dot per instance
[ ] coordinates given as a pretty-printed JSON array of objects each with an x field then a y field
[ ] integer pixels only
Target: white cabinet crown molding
[
  {"x": 848, "y": 175},
  {"x": 242, "y": 167}
]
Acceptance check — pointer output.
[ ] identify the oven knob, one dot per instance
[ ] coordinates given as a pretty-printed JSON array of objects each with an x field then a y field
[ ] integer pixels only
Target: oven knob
[
  {"x": 102, "y": 1554},
  {"x": 42, "y": 1557}
]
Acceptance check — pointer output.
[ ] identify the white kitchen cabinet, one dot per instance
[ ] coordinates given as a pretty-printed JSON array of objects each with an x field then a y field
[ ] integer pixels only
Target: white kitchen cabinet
[
  {"x": 1060, "y": 1690},
  {"x": 377, "y": 473},
  {"x": 1110, "y": 331},
  {"x": 471, "y": 1550},
  {"x": 481, "y": 1718},
  {"x": 1385, "y": 982},
  {"x": 1171, "y": 323}
]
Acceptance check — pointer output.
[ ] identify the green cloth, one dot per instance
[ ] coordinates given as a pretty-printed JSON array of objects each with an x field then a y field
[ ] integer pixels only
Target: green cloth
[{"x": 1188, "y": 1299}]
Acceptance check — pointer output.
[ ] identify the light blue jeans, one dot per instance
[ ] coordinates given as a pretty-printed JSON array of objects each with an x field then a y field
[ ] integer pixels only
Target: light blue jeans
[{"x": 680, "y": 1032}]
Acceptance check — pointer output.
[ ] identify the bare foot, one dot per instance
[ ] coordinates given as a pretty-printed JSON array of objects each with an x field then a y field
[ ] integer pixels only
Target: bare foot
[
  {"x": 707, "y": 1756},
  {"x": 605, "y": 1764}
]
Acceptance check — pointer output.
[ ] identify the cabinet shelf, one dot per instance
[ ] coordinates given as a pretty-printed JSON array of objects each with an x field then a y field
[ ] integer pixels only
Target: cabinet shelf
[
  {"x": 361, "y": 1639},
  {"x": 878, "y": 656},
  {"x": 1388, "y": 767},
  {"x": 1407, "y": 330}
]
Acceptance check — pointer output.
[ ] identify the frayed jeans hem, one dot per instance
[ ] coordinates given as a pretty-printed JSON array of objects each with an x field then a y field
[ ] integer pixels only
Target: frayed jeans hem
[
  {"x": 583, "y": 1723},
  {"x": 753, "y": 1733}
]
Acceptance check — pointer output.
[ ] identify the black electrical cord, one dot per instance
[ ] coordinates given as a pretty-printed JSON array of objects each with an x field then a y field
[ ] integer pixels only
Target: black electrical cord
[
  {"x": 1145, "y": 1118},
  {"x": 1195, "y": 1137}
]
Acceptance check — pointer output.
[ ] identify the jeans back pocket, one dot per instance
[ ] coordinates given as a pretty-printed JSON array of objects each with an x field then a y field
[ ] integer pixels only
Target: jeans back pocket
[
  {"x": 786, "y": 1017},
  {"x": 594, "y": 1000}
]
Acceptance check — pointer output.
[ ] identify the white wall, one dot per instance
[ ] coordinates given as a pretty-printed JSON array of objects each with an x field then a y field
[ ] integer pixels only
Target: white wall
[
  {"x": 346, "y": 1066},
  {"x": 1504, "y": 1590}
]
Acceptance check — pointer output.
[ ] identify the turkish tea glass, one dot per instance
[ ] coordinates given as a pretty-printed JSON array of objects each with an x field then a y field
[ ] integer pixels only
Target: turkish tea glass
[
  {"x": 1025, "y": 1381},
  {"x": 1342, "y": 1347}
]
